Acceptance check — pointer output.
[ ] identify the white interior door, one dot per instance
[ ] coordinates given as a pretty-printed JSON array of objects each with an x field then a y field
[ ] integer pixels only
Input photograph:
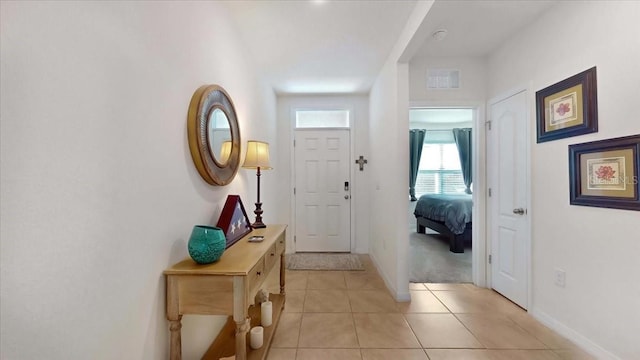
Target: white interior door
[
  {"x": 322, "y": 191},
  {"x": 508, "y": 197}
]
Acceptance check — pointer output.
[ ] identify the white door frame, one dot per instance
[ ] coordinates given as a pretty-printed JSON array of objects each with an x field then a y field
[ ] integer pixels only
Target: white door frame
[
  {"x": 354, "y": 199},
  {"x": 528, "y": 246},
  {"x": 479, "y": 230}
]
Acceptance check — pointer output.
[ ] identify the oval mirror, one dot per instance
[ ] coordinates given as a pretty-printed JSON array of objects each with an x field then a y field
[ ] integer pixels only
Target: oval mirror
[
  {"x": 219, "y": 136},
  {"x": 214, "y": 135}
]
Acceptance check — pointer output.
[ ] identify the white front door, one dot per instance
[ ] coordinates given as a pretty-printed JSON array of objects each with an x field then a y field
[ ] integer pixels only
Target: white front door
[
  {"x": 322, "y": 191},
  {"x": 507, "y": 173}
]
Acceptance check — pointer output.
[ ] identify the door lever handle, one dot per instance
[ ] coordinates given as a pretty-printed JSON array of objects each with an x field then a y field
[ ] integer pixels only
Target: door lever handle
[{"x": 519, "y": 211}]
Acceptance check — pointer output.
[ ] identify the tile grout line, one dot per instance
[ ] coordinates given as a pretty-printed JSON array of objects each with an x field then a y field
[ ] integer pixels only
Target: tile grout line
[
  {"x": 304, "y": 300},
  {"x": 353, "y": 322},
  {"x": 440, "y": 301},
  {"x": 469, "y": 330},
  {"x": 456, "y": 317},
  {"x": 485, "y": 301}
]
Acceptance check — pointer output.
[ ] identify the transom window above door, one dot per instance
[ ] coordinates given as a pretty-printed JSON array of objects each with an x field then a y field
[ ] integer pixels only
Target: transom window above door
[{"x": 322, "y": 119}]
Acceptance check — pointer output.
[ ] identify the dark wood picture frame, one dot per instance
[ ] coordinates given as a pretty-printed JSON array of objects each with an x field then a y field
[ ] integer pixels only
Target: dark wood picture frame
[
  {"x": 233, "y": 220},
  {"x": 605, "y": 173},
  {"x": 568, "y": 108}
]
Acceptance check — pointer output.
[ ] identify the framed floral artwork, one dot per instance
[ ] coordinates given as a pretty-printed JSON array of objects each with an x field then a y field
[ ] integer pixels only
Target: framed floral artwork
[
  {"x": 568, "y": 108},
  {"x": 233, "y": 220},
  {"x": 605, "y": 173}
]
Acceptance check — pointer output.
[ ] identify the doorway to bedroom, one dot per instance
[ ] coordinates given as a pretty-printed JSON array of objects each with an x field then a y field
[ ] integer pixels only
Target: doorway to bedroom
[{"x": 440, "y": 200}]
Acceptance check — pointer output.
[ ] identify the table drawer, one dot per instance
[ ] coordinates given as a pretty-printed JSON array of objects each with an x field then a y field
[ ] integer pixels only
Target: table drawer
[
  {"x": 257, "y": 274},
  {"x": 270, "y": 257},
  {"x": 281, "y": 244}
]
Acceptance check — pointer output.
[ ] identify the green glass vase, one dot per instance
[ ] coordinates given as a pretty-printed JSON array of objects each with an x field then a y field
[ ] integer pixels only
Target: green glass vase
[{"x": 206, "y": 244}]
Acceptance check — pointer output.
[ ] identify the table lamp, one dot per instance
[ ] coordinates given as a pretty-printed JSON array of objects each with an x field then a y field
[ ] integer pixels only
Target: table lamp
[
  {"x": 257, "y": 158},
  {"x": 225, "y": 151}
]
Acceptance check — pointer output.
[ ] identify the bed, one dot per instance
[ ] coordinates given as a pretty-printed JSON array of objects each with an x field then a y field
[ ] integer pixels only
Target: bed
[{"x": 449, "y": 215}]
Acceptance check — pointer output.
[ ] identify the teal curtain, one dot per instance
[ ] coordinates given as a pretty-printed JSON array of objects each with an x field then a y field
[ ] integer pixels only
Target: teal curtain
[
  {"x": 462, "y": 138},
  {"x": 416, "y": 140}
]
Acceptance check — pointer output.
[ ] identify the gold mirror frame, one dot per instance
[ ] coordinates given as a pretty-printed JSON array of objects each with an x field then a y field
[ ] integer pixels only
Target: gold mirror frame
[{"x": 203, "y": 102}]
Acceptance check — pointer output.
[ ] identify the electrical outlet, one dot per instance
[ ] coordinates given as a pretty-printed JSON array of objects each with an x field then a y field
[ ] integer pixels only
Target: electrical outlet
[{"x": 560, "y": 277}]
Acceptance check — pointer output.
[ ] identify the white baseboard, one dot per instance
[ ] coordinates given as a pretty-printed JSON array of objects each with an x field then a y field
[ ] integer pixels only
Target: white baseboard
[
  {"x": 376, "y": 263},
  {"x": 562, "y": 329},
  {"x": 361, "y": 251},
  {"x": 401, "y": 297}
]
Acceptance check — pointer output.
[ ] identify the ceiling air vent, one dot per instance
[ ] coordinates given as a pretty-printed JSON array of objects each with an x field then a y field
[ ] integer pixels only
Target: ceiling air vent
[{"x": 443, "y": 79}]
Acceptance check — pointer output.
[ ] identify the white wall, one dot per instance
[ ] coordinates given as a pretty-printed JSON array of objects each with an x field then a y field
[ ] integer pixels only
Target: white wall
[
  {"x": 597, "y": 247},
  {"x": 472, "y": 80},
  {"x": 99, "y": 192},
  {"x": 389, "y": 142},
  {"x": 386, "y": 178},
  {"x": 359, "y": 107}
]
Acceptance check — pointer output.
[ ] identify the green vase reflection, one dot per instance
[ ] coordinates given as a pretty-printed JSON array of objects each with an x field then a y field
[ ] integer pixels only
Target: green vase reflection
[{"x": 206, "y": 244}]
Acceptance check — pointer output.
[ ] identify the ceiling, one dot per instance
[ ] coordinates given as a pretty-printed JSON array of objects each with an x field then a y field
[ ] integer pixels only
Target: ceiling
[
  {"x": 476, "y": 28},
  {"x": 320, "y": 46},
  {"x": 340, "y": 46}
]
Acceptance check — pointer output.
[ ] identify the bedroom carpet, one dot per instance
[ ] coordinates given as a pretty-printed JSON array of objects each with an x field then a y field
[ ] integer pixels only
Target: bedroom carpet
[
  {"x": 323, "y": 261},
  {"x": 430, "y": 260}
]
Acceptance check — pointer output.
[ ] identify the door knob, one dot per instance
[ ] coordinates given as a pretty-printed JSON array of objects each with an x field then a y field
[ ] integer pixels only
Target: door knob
[
  {"x": 346, "y": 197},
  {"x": 519, "y": 211}
]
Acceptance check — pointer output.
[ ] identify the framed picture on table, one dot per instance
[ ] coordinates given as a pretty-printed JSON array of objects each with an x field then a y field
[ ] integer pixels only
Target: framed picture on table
[
  {"x": 233, "y": 220},
  {"x": 605, "y": 173},
  {"x": 568, "y": 108}
]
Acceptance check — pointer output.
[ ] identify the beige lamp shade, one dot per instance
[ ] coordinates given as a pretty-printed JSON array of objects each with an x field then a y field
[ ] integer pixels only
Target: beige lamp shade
[
  {"x": 225, "y": 151},
  {"x": 257, "y": 155}
]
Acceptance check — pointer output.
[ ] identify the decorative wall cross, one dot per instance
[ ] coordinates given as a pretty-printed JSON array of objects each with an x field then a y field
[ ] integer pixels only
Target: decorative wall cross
[{"x": 361, "y": 161}]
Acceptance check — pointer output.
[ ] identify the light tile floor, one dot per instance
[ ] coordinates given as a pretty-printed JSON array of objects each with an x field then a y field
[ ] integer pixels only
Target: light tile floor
[{"x": 346, "y": 315}]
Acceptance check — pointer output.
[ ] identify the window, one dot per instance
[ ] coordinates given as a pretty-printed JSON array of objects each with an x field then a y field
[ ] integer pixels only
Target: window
[
  {"x": 219, "y": 119},
  {"x": 322, "y": 119},
  {"x": 439, "y": 171}
]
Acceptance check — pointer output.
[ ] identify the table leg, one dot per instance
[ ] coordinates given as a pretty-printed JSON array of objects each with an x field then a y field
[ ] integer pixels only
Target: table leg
[
  {"x": 174, "y": 317},
  {"x": 241, "y": 315},
  {"x": 242, "y": 328},
  {"x": 282, "y": 273},
  {"x": 175, "y": 327}
]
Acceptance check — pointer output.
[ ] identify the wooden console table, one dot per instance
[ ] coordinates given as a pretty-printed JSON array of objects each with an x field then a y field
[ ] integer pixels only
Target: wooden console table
[{"x": 227, "y": 287}]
